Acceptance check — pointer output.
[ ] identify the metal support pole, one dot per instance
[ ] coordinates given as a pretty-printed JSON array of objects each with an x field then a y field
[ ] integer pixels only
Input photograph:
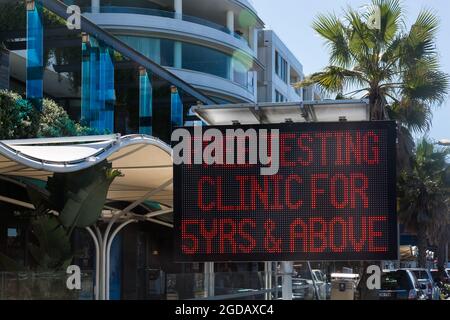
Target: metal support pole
[
  {"x": 100, "y": 264},
  {"x": 316, "y": 290},
  {"x": 287, "y": 269},
  {"x": 108, "y": 252},
  {"x": 209, "y": 279},
  {"x": 97, "y": 263},
  {"x": 268, "y": 279},
  {"x": 120, "y": 214}
]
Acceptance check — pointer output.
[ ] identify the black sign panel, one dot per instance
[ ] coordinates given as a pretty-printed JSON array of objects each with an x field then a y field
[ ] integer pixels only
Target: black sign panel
[{"x": 333, "y": 196}]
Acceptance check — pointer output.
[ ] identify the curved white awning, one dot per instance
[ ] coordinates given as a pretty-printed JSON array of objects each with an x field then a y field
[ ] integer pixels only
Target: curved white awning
[{"x": 145, "y": 162}]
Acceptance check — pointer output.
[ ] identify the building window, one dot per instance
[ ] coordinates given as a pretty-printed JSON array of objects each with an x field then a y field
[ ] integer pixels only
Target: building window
[
  {"x": 279, "y": 97},
  {"x": 193, "y": 57},
  {"x": 281, "y": 67}
]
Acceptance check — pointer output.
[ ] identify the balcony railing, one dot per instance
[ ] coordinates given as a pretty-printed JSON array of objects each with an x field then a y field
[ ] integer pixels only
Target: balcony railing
[
  {"x": 166, "y": 14},
  {"x": 44, "y": 286}
]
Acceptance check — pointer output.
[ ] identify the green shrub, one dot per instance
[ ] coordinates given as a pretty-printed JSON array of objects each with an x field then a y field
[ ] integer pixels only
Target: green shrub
[{"x": 20, "y": 120}]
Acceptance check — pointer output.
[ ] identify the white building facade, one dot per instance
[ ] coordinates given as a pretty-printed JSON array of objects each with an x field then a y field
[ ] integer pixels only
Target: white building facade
[
  {"x": 218, "y": 46},
  {"x": 282, "y": 70}
]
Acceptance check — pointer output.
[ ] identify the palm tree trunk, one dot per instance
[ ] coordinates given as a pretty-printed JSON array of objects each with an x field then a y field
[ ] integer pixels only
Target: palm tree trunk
[
  {"x": 376, "y": 105},
  {"x": 442, "y": 254},
  {"x": 422, "y": 244}
]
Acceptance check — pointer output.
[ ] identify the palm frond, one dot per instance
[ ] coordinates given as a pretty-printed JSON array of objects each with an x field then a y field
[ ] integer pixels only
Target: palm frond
[
  {"x": 332, "y": 29},
  {"x": 391, "y": 18},
  {"x": 414, "y": 115},
  {"x": 335, "y": 79}
]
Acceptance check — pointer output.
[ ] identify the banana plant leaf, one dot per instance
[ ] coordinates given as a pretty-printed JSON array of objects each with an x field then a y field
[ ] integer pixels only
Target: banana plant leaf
[
  {"x": 54, "y": 248},
  {"x": 8, "y": 264},
  {"x": 80, "y": 196},
  {"x": 84, "y": 208}
]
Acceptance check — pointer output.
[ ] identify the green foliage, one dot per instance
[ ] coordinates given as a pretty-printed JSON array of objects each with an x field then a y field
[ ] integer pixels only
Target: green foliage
[
  {"x": 51, "y": 249},
  {"x": 424, "y": 194},
  {"x": 79, "y": 197},
  {"x": 55, "y": 122},
  {"x": 8, "y": 264},
  {"x": 20, "y": 120}
]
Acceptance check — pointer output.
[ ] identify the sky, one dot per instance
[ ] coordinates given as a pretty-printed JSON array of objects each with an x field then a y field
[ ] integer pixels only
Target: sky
[{"x": 292, "y": 20}]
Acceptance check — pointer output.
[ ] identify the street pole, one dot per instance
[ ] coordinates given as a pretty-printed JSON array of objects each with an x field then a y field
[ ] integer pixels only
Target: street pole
[
  {"x": 287, "y": 268},
  {"x": 268, "y": 279}
]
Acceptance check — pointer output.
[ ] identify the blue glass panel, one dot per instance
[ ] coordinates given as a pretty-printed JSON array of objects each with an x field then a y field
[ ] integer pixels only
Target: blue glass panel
[
  {"x": 85, "y": 82},
  {"x": 98, "y": 94},
  {"x": 106, "y": 93},
  {"x": 145, "y": 103},
  {"x": 176, "y": 108},
  {"x": 115, "y": 286},
  {"x": 35, "y": 54}
]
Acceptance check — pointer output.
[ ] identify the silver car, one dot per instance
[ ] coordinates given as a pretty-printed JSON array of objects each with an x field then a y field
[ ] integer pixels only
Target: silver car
[{"x": 428, "y": 286}]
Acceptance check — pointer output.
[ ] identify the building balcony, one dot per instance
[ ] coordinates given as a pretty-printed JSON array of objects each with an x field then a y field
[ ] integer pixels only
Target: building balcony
[
  {"x": 216, "y": 86},
  {"x": 169, "y": 15}
]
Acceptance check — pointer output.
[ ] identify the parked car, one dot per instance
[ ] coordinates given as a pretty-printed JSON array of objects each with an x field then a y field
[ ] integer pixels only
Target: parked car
[
  {"x": 305, "y": 284},
  {"x": 435, "y": 275},
  {"x": 428, "y": 285},
  {"x": 400, "y": 285},
  {"x": 322, "y": 284},
  {"x": 302, "y": 289}
]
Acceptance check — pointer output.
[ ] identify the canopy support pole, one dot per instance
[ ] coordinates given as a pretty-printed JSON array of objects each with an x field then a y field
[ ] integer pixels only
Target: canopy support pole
[
  {"x": 108, "y": 253},
  {"x": 97, "y": 263},
  {"x": 119, "y": 214}
]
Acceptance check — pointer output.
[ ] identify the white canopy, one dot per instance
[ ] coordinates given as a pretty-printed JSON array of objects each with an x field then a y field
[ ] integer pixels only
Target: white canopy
[
  {"x": 145, "y": 162},
  {"x": 265, "y": 113}
]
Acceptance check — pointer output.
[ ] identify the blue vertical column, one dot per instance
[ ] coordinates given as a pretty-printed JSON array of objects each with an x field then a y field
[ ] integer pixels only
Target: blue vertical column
[
  {"x": 35, "y": 52},
  {"x": 85, "y": 80},
  {"x": 145, "y": 102},
  {"x": 106, "y": 92},
  {"x": 176, "y": 108},
  {"x": 97, "y": 87}
]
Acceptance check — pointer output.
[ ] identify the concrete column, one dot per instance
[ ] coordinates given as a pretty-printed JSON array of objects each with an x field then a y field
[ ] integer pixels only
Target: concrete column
[
  {"x": 230, "y": 21},
  {"x": 178, "y": 55},
  {"x": 178, "y": 6},
  {"x": 4, "y": 69},
  {"x": 95, "y": 6},
  {"x": 253, "y": 40}
]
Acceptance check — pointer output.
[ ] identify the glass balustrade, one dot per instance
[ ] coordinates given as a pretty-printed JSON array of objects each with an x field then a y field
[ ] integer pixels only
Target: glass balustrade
[
  {"x": 166, "y": 14},
  {"x": 44, "y": 286}
]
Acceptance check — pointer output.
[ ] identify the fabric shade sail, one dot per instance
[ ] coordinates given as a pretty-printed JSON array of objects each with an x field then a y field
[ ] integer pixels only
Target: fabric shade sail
[{"x": 144, "y": 161}]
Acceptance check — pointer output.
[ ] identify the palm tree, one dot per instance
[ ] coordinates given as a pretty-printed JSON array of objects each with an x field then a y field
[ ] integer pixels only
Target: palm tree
[
  {"x": 424, "y": 197},
  {"x": 395, "y": 68}
]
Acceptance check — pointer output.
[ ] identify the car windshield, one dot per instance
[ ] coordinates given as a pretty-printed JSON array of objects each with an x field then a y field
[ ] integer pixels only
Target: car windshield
[
  {"x": 421, "y": 274},
  {"x": 398, "y": 280},
  {"x": 318, "y": 276}
]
